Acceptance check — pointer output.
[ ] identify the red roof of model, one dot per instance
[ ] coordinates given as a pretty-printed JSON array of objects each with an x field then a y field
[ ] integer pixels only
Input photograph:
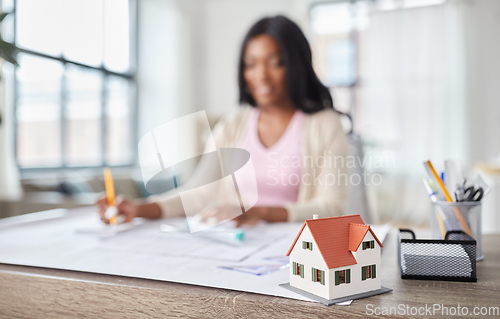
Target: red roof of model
[
  {"x": 333, "y": 238},
  {"x": 356, "y": 234}
]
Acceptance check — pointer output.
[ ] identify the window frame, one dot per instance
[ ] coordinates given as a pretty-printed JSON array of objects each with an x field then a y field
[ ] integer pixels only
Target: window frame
[
  {"x": 129, "y": 76},
  {"x": 308, "y": 245},
  {"x": 369, "y": 244},
  {"x": 370, "y": 270},
  {"x": 298, "y": 269},
  {"x": 342, "y": 276},
  {"x": 354, "y": 86},
  {"x": 318, "y": 275}
]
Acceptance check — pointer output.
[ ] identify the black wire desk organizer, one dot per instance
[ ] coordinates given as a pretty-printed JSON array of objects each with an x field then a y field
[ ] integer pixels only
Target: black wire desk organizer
[{"x": 451, "y": 259}]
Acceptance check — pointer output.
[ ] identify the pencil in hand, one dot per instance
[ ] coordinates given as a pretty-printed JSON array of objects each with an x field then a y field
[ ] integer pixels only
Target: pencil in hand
[{"x": 111, "y": 212}]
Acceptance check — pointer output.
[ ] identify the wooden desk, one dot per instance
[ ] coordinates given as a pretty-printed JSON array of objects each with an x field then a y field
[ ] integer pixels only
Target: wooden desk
[{"x": 49, "y": 293}]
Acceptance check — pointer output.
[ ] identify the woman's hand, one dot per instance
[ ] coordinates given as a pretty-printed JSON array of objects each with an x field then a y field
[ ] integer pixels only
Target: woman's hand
[
  {"x": 268, "y": 214},
  {"x": 213, "y": 215},
  {"x": 125, "y": 207},
  {"x": 251, "y": 217}
]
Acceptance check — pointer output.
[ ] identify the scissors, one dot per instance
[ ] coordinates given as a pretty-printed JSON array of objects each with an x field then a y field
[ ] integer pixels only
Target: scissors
[
  {"x": 472, "y": 194},
  {"x": 468, "y": 194}
]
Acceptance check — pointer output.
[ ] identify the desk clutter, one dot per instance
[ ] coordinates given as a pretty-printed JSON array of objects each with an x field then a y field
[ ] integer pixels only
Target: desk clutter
[
  {"x": 450, "y": 259},
  {"x": 456, "y": 229},
  {"x": 77, "y": 240},
  {"x": 456, "y": 205}
]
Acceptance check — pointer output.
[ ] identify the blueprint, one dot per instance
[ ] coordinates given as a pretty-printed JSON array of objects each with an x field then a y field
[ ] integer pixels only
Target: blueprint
[{"x": 71, "y": 240}]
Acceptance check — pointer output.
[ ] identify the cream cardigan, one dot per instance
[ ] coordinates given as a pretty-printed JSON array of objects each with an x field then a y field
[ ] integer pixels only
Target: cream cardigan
[{"x": 324, "y": 148}]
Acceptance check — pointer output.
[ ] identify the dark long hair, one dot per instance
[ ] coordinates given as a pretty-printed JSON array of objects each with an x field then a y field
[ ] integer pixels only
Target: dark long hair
[{"x": 305, "y": 89}]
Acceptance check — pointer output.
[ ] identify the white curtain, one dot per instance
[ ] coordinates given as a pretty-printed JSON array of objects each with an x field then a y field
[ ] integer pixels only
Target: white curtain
[
  {"x": 412, "y": 105},
  {"x": 10, "y": 185}
]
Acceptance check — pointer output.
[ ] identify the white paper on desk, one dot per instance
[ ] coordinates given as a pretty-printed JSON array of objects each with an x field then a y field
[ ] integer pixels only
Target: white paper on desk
[
  {"x": 99, "y": 228},
  {"x": 55, "y": 244},
  {"x": 149, "y": 240}
]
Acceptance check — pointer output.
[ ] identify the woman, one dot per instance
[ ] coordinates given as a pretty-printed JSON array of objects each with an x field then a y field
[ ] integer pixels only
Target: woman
[{"x": 287, "y": 123}]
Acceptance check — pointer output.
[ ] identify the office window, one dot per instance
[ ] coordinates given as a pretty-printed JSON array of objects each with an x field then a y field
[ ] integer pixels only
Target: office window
[
  {"x": 75, "y": 99},
  {"x": 335, "y": 45}
]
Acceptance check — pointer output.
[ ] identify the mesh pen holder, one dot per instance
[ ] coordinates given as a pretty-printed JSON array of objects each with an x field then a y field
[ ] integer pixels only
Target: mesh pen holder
[
  {"x": 451, "y": 259},
  {"x": 458, "y": 216}
]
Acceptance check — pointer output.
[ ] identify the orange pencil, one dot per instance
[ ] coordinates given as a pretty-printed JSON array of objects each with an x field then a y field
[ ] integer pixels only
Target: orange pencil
[
  {"x": 463, "y": 223},
  {"x": 110, "y": 194}
]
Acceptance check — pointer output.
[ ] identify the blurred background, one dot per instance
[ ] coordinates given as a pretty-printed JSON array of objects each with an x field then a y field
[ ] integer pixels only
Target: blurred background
[{"x": 419, "y": 78}]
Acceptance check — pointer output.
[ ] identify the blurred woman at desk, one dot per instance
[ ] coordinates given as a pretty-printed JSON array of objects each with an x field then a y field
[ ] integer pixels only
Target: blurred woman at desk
[{"x": 286, "y": 115}]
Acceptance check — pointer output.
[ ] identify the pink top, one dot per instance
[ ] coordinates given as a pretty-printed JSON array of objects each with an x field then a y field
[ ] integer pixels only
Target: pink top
[{"x": 277, "y": 168}]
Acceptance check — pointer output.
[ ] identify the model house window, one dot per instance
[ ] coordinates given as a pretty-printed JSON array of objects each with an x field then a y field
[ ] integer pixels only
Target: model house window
[
  {"x": 368, "y": 244},
  {"x": 318, "y": 276},
  {"x": 342, "y": 277},
  {"x": 368, "y": 272},
  {"x": 307, "y": 245},
  {"x": 298, "y": 269},
  {"x": 75, "y": 100}
]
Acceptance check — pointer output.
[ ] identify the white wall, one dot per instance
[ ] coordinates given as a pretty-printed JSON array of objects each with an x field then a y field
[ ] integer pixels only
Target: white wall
[
  {"x": 166, "y": 61},
  {"x": 483, "y": 112},
  {"x": 222, "y": 29},
  {"x": 10, "y": 186},
  {"x": 483, "y": 78},
  {"x": 356, "y": 286},
  {"x": 309, "y": 259}
]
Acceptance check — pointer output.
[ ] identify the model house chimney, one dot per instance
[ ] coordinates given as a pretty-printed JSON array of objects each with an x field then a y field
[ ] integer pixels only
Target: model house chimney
[{"x": 315, "y": 216}]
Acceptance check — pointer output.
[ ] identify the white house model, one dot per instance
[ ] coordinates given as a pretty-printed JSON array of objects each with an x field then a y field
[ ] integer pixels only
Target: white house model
[{"x": 335, "y": 257}]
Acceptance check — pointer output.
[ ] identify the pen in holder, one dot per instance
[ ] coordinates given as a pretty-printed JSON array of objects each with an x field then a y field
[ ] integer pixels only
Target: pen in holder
[{"x": 458, "y": 216}]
